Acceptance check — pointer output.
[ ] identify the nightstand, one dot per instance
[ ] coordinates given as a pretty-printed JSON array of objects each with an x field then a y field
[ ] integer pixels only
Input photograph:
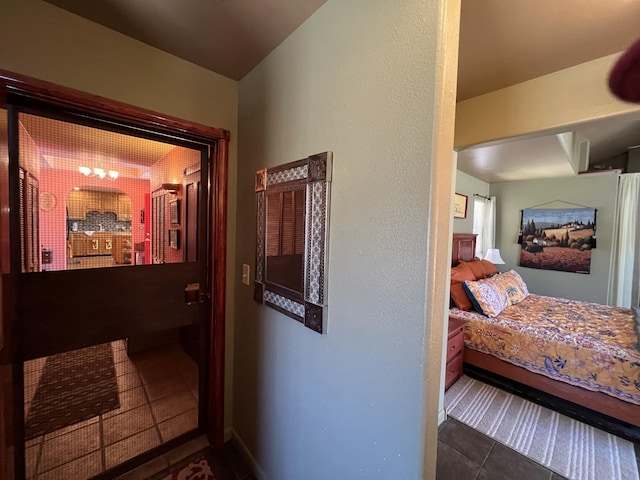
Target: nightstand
[{"x": 455, "y": 349}]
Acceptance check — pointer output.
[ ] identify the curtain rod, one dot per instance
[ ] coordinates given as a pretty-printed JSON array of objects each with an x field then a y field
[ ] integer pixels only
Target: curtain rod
[{"x": 478, "y": 195}]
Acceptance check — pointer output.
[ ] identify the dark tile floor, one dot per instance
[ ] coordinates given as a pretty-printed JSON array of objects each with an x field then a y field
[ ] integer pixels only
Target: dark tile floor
[{"x": 466, "y": 454}]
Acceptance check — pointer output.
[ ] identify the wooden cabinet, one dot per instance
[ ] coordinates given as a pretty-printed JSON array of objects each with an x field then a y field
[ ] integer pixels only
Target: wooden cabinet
[
  {"x": 83, "y": 245},
  {"x": 122, "y": 249},
  {"x": 455, "y": 351},
  {"x": 80, "y": 202},
  {"x": 78, "y": 246},
  {"x": 76, "y": 205},
  {"x": 108, "y": 202},
  {"x": 124, "y": 207}
]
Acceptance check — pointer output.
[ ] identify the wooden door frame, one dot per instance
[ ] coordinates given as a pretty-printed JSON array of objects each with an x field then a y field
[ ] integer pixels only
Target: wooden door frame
[{"x": 218, "y": 141}]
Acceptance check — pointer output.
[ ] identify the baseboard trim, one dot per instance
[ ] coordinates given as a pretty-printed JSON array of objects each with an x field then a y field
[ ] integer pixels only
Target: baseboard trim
[
  {"x": 257, "y": 470},
  {"x": 442, "y": 416}
]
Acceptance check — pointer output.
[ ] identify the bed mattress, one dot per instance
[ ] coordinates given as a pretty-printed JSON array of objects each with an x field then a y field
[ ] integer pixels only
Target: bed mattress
[{"x": 584, "y": 344}]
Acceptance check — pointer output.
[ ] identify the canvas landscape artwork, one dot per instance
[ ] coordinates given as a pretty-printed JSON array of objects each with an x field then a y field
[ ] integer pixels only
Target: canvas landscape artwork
[{"x": 558, "y": 239}]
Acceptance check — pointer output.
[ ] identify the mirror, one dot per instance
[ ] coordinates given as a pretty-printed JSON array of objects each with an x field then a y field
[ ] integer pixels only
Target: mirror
[
  {"x": 292, "y": 213},
  {"x": 285, "y": 238}
]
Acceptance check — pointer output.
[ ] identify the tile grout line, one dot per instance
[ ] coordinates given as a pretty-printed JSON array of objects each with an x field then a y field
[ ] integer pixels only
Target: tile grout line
[
  {"x": 40, "y": 444},
  {"x": 485, "y": 460},
  {"x": 103, "y": 447},
  {"x": 146, "y": 395}
]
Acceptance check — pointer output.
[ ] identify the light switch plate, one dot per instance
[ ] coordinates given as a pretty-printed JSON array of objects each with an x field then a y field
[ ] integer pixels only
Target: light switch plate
[{"x": 245, "y": 274}]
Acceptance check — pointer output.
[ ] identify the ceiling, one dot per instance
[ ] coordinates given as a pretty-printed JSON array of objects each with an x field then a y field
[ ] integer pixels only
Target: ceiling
[
  {"x": 229, "y": 37},
  {"x": 67, "y": 146},
  {"x": 502, "y": 43}
]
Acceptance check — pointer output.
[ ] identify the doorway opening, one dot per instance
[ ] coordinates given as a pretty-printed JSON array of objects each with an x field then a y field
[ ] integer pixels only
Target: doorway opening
[
  {"x": 98, "y": 226},
  {"x": 113, "y": 361}
]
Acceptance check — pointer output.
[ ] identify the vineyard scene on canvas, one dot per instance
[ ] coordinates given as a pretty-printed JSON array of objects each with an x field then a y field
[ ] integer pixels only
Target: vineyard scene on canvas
[{"x": 558, "y": 239}]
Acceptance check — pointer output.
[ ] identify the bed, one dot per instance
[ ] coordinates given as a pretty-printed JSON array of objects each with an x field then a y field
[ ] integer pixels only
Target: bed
[{"x": 580, "y": 358}]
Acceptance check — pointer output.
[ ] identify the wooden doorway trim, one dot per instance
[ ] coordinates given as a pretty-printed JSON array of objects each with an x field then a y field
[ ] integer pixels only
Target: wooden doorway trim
[{"x": 217, "y": 140}]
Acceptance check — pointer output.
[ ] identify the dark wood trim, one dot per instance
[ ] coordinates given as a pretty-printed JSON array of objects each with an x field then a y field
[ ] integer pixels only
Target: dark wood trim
[
  {"x": 536, "y": 386},
  {"x": 65, "y": 97},
  {"x": 215, "y": 430},
  {"x": 10, "y": 302}
]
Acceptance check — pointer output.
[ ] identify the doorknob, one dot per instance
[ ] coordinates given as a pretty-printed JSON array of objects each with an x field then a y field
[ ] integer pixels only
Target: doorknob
[{"x": 192, "y": 294}]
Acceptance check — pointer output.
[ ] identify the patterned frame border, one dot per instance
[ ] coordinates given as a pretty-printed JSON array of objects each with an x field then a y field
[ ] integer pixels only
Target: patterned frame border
[{"x": 310, "y": 307}]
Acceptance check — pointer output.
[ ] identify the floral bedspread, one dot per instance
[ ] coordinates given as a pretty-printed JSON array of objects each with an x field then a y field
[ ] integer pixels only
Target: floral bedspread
[{"x": 585, "y": 344}]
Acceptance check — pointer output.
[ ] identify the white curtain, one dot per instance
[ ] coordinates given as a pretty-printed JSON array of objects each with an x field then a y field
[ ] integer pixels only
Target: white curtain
[
  {"x": 484, "y": 224},
  {"x": 625, "y": 251}
]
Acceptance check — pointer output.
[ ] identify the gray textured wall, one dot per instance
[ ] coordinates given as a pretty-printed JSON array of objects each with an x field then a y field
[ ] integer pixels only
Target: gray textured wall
[{"x": 356, "y": 79}]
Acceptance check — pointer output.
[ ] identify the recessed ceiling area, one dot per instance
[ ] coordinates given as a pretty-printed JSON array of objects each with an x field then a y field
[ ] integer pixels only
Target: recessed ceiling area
[{"x": 542, "y": 157}]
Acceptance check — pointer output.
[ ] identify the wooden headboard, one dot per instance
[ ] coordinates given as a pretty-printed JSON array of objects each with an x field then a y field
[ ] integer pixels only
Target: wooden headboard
[{"x": 464, "y": 248}]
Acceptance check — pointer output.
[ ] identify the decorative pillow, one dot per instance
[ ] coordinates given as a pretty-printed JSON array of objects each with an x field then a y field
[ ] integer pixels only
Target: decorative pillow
[
  {"x": 459, "y": 296},
  {"x": 489, "y": 268},
  {"x": 513, "y": 284},
  {"x": 476, "y": 267},
  {"x": 487, "y": 296}
]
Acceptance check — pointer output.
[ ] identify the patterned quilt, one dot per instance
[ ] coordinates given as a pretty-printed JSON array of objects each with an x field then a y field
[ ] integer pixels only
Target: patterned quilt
[{"x": 585, "y": 344}]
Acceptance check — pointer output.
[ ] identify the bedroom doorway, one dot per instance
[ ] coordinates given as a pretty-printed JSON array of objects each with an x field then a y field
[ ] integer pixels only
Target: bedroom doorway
[{"x": 110, "y": 365}]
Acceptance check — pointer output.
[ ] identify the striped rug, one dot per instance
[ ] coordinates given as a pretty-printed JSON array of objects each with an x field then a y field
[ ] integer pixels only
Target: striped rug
[{"x": 566, "y": 446}]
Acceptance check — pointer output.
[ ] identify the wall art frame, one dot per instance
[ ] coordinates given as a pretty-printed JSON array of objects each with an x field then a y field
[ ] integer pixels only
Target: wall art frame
[
  {"x": 174, "y": 238},
  {"x": 305, "y": 297},
  {"x": 174, "y": 211},
  {"x": 460, "y": 202}
]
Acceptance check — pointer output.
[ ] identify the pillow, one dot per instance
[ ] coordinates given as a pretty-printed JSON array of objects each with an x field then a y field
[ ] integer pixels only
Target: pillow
[
  {"x": 489, "y": 268},
  {"x": 487, "y": 296},
  {"x": 477, "y": 268},
  {"x": 513, "y": 285},
  {"x": 459, "y": 296}
]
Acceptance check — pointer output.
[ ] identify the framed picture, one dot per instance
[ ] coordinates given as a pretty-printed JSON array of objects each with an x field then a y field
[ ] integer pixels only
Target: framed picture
[
  {"x": 174, "y": 239},
  {"x": 174, "y": 211},
  {"x": 460, "y": 206}
]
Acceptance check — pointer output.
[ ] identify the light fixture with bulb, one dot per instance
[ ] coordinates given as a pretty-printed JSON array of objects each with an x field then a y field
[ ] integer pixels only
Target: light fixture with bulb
[{"x": 98, "y": 172}]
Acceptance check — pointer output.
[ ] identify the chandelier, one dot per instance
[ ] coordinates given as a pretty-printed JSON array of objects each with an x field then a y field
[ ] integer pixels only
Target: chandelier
[{"x": 98, "y": 172}]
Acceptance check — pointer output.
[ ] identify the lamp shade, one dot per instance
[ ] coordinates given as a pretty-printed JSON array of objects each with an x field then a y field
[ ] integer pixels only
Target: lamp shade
[{"x": 493, "y": 255}]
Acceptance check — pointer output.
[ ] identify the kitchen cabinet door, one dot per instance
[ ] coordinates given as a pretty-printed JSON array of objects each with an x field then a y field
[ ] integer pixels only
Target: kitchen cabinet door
[
  {"x": 124, "y": 207},
  {"x": 108, "y": 202},
  {"x": 76, "y": 205},
  {"x": 92, "y": 202}
]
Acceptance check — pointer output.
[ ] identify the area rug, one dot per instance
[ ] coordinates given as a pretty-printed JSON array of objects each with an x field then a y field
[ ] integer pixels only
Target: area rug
[
  {"x": 74, "y": 386},
  {"x": 566, "y": 446},
  {"x": 196, "y": 469}
]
